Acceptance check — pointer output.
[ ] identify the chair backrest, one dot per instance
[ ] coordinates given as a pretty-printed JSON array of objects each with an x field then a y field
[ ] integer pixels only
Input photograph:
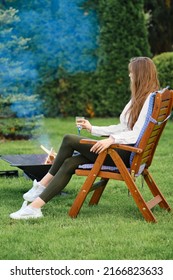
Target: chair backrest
[{"x": 160, "y": 107}]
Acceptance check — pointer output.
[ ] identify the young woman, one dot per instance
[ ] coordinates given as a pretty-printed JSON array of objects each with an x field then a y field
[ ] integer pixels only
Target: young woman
[{"x": 143, "y": 81}]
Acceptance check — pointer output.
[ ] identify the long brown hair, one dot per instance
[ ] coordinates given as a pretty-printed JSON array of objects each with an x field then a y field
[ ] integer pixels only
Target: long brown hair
[{"x": 144, "y": 80}]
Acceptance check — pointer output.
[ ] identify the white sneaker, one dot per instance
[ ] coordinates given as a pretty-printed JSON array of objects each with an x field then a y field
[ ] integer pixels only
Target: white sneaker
[
  {"x": 34, "y": 192},
  {"x": 26, "y": 212}
]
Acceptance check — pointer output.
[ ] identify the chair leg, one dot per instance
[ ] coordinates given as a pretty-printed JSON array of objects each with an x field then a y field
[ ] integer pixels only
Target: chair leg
[
  {"x": 98, "y": 191},
  {"x": 140, "y": 202},
  {"x": 155, "y": 190},
  {"x": 80, "y": 198}
]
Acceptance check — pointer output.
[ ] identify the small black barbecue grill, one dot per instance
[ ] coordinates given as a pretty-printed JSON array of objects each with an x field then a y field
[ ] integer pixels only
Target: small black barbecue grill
[{"x": 33, "y": 165}]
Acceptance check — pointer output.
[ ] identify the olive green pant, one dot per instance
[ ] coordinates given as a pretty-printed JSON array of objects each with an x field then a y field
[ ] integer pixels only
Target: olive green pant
[{"x": 66, "y": 162}]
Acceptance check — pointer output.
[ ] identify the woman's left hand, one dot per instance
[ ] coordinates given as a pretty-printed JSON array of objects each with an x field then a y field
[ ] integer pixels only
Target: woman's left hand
[{"x": 102, "y": 145}]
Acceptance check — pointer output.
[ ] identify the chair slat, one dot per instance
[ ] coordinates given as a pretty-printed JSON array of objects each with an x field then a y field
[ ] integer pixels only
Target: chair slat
[{"x": 153, "y": 202}]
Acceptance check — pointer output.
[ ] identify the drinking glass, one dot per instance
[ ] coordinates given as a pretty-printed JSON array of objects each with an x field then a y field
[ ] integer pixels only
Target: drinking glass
[{"x": 78, "y": 120}]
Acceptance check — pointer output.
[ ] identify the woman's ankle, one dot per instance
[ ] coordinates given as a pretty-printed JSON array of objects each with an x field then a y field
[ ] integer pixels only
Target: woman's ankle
[{"x": 37, "y": 203}]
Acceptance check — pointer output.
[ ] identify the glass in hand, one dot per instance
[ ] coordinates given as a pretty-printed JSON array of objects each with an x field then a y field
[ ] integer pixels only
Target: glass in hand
[{"x": 78, "y": 121}]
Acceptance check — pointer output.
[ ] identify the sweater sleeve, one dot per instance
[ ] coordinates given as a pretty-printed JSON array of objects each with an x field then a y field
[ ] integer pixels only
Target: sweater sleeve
[
  {"x": 112, "y": 129},
  {"x": 121, "y": 133}
]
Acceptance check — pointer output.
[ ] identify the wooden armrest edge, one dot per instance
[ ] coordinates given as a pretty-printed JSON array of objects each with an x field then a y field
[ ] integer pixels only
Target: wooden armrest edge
[
  {"x": 114, "y": 146},
  {"x": 88, "y": 141},
  {"x": 127, "y": 148}
]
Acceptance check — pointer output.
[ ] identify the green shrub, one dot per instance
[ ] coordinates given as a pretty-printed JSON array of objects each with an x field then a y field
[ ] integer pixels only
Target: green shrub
[
  {"x": 103, "y": 92},
  {"x": 16, "y": 128},
  {"x": 164, "y": 64},
  {"x": 12, "y": 127}
]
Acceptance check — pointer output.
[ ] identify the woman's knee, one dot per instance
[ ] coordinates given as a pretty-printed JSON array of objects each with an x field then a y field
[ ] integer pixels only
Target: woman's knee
[{"x": 70, "y": 139}]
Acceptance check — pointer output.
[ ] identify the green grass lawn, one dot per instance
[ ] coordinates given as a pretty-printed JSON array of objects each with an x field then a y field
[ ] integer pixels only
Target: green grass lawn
[{"x": 112, "y": 230}]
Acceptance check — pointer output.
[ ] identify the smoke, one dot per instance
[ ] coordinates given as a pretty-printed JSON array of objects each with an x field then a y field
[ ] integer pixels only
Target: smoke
[
  {"x": 45, "y": 35},
  {"x": 63, "y": 34}
]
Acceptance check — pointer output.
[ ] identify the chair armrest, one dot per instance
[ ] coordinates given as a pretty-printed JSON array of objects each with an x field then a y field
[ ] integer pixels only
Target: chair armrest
[
  {"x": 114, "y": 146},
  {"x": 88, "y": 141},
  {"x": 127, "y": 148}
]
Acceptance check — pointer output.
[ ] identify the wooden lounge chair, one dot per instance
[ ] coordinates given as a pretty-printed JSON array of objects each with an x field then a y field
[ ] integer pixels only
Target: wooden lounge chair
[{"x": 160, "y": 107}]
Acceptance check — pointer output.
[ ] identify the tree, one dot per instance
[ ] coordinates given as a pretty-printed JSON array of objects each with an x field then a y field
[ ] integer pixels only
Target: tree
[
  {"x": 17, "y": 73},
  {"x": 103, "y": 92},
  {"x": 80, "y": 50},
  {"x": 160, "y": 25},
  {"x": 123, "y": 34},
  {"x": 15, "y": 96}
]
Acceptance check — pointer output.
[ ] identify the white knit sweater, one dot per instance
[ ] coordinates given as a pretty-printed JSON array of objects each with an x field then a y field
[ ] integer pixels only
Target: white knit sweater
[{"x": 120, "y": 132}]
